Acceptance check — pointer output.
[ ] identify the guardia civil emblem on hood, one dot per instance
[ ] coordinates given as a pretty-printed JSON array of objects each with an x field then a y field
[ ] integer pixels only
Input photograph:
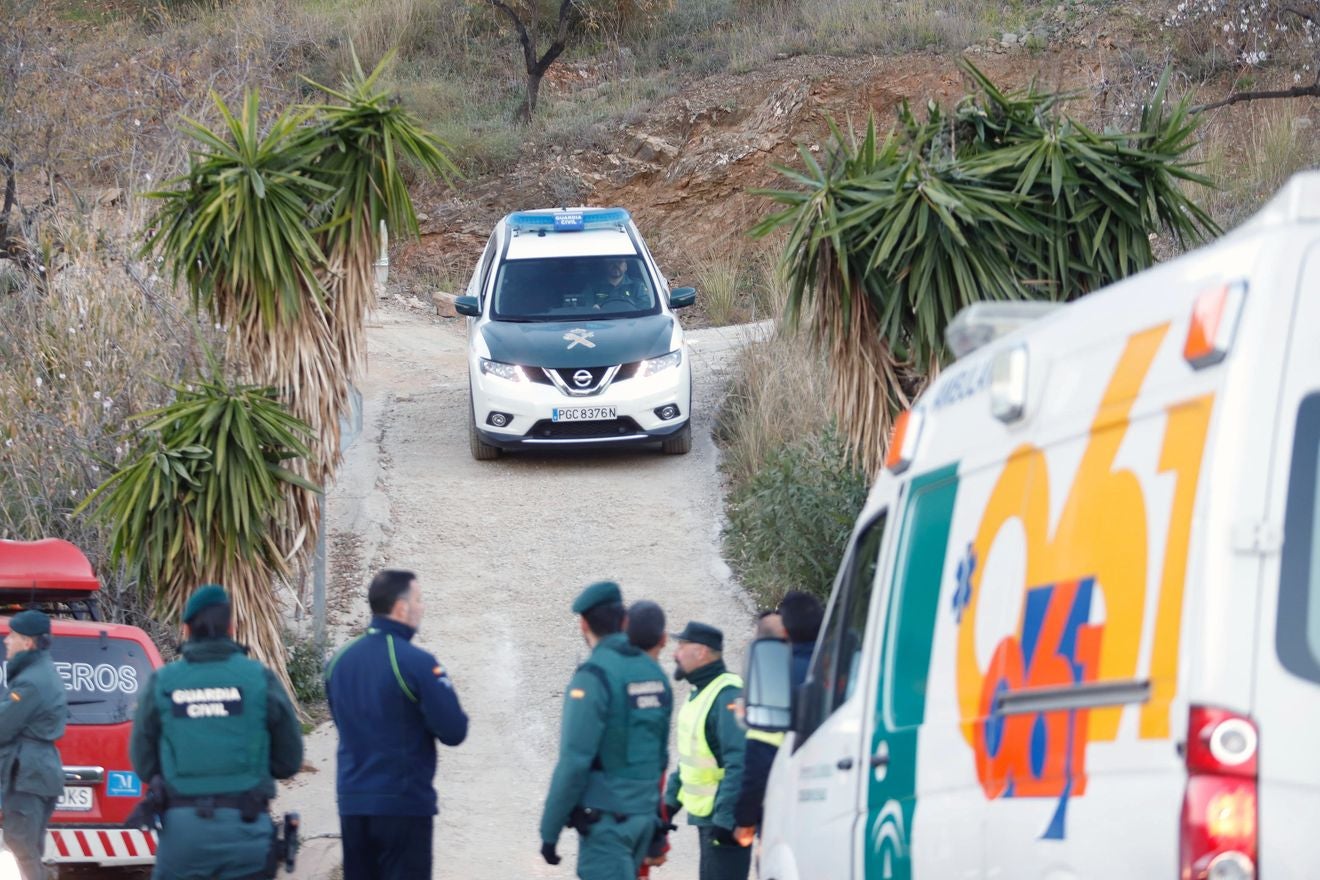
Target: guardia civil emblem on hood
[{"x": 579, "y": 336}]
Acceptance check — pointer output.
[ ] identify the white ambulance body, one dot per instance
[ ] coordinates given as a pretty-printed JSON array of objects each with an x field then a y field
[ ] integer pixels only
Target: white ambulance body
[{"x": 1077, "y": 630}]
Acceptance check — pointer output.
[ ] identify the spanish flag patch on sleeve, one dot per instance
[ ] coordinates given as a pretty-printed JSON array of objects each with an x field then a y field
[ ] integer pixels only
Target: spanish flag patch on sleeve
[
  {"x": 13, "y": 695},
  {"x": 577, "y": 693}
]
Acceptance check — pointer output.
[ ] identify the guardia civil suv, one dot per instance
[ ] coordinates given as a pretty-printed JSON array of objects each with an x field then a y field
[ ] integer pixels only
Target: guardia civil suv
[{"x": 572, "y": 337}]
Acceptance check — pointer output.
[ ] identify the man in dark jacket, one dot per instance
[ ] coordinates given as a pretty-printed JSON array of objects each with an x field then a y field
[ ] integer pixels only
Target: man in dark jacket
[
  {"x": 391, "y": 701},
  {"x": 802, "y": 615},
  {"x": 215, "y": 729},
  {"x": 32, "y": 716},
  {"x": 798, "y": 616}
]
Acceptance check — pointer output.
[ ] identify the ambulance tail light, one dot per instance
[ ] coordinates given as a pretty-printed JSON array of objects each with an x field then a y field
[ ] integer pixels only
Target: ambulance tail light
[
  {"x": 1214, "y": 324},
  {"x": 1219, "y": 809},
  {"x": 903, "y": 441}
]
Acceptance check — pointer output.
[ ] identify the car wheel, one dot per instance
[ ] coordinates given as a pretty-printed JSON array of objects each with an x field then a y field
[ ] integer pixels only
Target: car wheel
[
  {"x": 680, "y": 443},
  {"x": 481, "y": 450}
]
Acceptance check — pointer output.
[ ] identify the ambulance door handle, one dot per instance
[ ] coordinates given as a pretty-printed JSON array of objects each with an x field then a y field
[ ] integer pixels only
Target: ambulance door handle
[
  {"x": 881, "y": 756},
  {"x": 845, "y": 764}
]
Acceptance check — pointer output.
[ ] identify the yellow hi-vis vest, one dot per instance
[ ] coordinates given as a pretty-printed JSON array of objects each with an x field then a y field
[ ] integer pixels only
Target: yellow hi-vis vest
[
  {"x": 765, "y": 736},
  {"x": 698, "y": 771}
]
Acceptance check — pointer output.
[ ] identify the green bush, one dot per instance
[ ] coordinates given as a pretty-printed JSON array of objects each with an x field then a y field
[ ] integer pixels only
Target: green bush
[
  {"x": 306, "y": 662},
  {"x": 790, "y": 521}
]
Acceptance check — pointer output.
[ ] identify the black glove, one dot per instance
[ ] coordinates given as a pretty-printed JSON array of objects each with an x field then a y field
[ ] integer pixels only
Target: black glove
[
  {"x": 722, "y": 836},
  {"x": 669, "y": 811},
  {"x": 548, "y": 853}
]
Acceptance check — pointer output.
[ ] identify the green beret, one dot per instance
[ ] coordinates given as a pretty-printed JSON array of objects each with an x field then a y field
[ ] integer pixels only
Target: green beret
[
  {"x": 30, "y": 623},
  {"x": 206, "y": 596},
  {"x": 599, "y": 593}
]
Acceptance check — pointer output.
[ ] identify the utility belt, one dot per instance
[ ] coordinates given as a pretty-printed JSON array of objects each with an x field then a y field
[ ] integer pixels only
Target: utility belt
[
  {"x": 148, "y": 814},
  {"x": 250, "y": 804},
  {"x": 582, "y": 818}
]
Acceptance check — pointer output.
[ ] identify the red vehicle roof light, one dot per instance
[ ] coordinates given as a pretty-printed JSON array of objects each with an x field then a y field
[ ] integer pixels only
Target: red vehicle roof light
[{"x": 34, "y": 568}]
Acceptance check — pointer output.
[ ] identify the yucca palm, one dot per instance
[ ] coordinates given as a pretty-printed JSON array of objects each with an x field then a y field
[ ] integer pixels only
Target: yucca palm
[
  {"x": 274, "y": 231},
  {"x": 1006, "y": 197},
  {"x": 200, "y": 499}
]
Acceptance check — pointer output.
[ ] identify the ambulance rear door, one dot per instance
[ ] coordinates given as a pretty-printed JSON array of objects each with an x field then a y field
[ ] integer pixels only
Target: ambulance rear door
[{"x": 1287, "y": 705}]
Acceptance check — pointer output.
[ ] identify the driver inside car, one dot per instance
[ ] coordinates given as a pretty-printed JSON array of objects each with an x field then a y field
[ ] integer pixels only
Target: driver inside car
[{"x": 620, "y": 289}]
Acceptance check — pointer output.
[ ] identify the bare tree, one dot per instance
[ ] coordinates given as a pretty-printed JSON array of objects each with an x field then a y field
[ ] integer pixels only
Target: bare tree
[
  {"x": 524, "y": 21},
  {"x": 1283, "y": 35},
  {"x": 574, "y": 17}
]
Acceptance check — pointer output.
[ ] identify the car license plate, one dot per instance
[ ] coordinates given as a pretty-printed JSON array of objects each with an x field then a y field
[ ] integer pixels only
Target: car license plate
[
  {"x": 76, "y": 799},
  {"x": 583, "y": 413}
]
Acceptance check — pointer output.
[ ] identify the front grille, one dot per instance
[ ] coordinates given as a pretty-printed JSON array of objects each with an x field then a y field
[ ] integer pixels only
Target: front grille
[
  {"x": 548, "y": 430},
  {"x": 537, "y": 375},
  {"x": 566, "y": 376}
]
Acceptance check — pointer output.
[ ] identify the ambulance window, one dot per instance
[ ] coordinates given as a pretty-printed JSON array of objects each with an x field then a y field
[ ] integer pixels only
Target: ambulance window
[
  {"x": 1299, "y": 582},
  {"x": 836, "y": 665},
  {"x": 102, "y": 676},
  {"x": 914, "y": 599}
]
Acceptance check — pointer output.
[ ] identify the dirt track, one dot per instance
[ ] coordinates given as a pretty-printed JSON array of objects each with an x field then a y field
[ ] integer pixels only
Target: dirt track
[{"x": 501, "y": 548}]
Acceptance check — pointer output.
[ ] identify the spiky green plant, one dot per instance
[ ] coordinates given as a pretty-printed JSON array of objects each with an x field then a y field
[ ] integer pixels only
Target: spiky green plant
[
  {"x": 201, "y": 497},
  {"x": 1005, "y": 197},
  {"x": 274, "y": 229}
]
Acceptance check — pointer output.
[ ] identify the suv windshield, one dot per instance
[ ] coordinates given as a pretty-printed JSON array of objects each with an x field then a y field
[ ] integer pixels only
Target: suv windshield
[
  {"x": 574, "y": 289},
  {"x": 102, "y": 675}
]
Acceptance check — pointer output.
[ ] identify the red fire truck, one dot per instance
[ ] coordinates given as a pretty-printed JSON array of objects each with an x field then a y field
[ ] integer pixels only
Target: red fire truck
[{"x": 105, "y": 667}]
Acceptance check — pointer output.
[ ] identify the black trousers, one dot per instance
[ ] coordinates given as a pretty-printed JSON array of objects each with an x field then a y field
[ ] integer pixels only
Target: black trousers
[
  {"x": 386, "y": 847},
  {"x": 721, "y": 861}
]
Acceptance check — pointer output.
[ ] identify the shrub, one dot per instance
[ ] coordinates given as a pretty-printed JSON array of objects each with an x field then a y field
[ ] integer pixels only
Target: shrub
[
  {"x": 306, "y": 665},
  {"x": 788, "y": 525}
]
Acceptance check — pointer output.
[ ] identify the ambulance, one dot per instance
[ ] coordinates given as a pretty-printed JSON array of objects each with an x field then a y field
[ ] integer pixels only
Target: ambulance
[
  {"x": 1076, "y": 632},
  {"x": 105, "y": 667}
]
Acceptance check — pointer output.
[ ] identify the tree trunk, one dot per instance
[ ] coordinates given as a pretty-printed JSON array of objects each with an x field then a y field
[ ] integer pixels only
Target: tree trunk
[
  {"x": 528, "y": 109},
  {"x": 536, "y": 67}
]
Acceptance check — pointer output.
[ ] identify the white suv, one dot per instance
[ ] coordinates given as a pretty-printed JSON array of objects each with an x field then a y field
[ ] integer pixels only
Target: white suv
[{"x": 572, "y": 338}]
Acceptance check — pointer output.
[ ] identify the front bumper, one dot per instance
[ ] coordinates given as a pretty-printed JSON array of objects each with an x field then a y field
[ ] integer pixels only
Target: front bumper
[{"x": 530, "y": 406}]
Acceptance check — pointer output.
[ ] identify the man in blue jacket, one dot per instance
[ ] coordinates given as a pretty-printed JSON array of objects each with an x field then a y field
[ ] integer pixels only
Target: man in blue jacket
[
  {"x": 798, "y": 617},
  {"x": 391, "y": 701}
]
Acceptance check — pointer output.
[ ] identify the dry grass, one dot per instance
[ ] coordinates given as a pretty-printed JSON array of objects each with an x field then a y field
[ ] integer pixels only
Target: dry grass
[
  {"x": 78, "y": 355},
  {"x": 778, "y": 395},
  {"x": 1252, "y": 150},
  {"x": 718, "y": 276}
]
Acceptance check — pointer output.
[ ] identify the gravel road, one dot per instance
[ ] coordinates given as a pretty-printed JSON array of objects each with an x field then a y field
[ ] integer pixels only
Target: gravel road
[{"x": 501, "y": 548}]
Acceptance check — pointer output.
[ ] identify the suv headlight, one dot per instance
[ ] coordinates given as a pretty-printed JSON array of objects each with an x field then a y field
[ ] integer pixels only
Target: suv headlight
[
  {"x": 501, "y": 370},
  {"x": 660, "y": 364}
]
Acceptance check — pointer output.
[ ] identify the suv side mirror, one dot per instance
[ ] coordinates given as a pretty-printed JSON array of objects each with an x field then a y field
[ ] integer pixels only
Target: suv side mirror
[
  {"x": 769, "y": 692},
  {"x": 468, "y": 305},
  {"x": 682, "y": 296}
]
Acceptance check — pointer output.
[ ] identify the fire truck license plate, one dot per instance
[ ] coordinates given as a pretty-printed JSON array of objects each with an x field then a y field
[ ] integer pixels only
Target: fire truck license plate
[{"x": 75, "y": 799}]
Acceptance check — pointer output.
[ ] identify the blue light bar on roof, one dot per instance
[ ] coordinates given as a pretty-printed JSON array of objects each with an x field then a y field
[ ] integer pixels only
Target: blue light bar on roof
[{"x": 572, "y": 220}]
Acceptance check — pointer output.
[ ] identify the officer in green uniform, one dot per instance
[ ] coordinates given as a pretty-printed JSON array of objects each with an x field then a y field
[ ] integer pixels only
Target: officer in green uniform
[
  {"x": 32, "y": 716},
  {"x": 712, "y": 747},
  {"x": 619, "y": 289},
  {"x": 217, "y": 729},
  {"x": 614, "y": 746}
]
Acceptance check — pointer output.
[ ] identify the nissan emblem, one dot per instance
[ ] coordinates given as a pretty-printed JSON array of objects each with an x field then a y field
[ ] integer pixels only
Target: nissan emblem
[{"x": 582, "y": 378}]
